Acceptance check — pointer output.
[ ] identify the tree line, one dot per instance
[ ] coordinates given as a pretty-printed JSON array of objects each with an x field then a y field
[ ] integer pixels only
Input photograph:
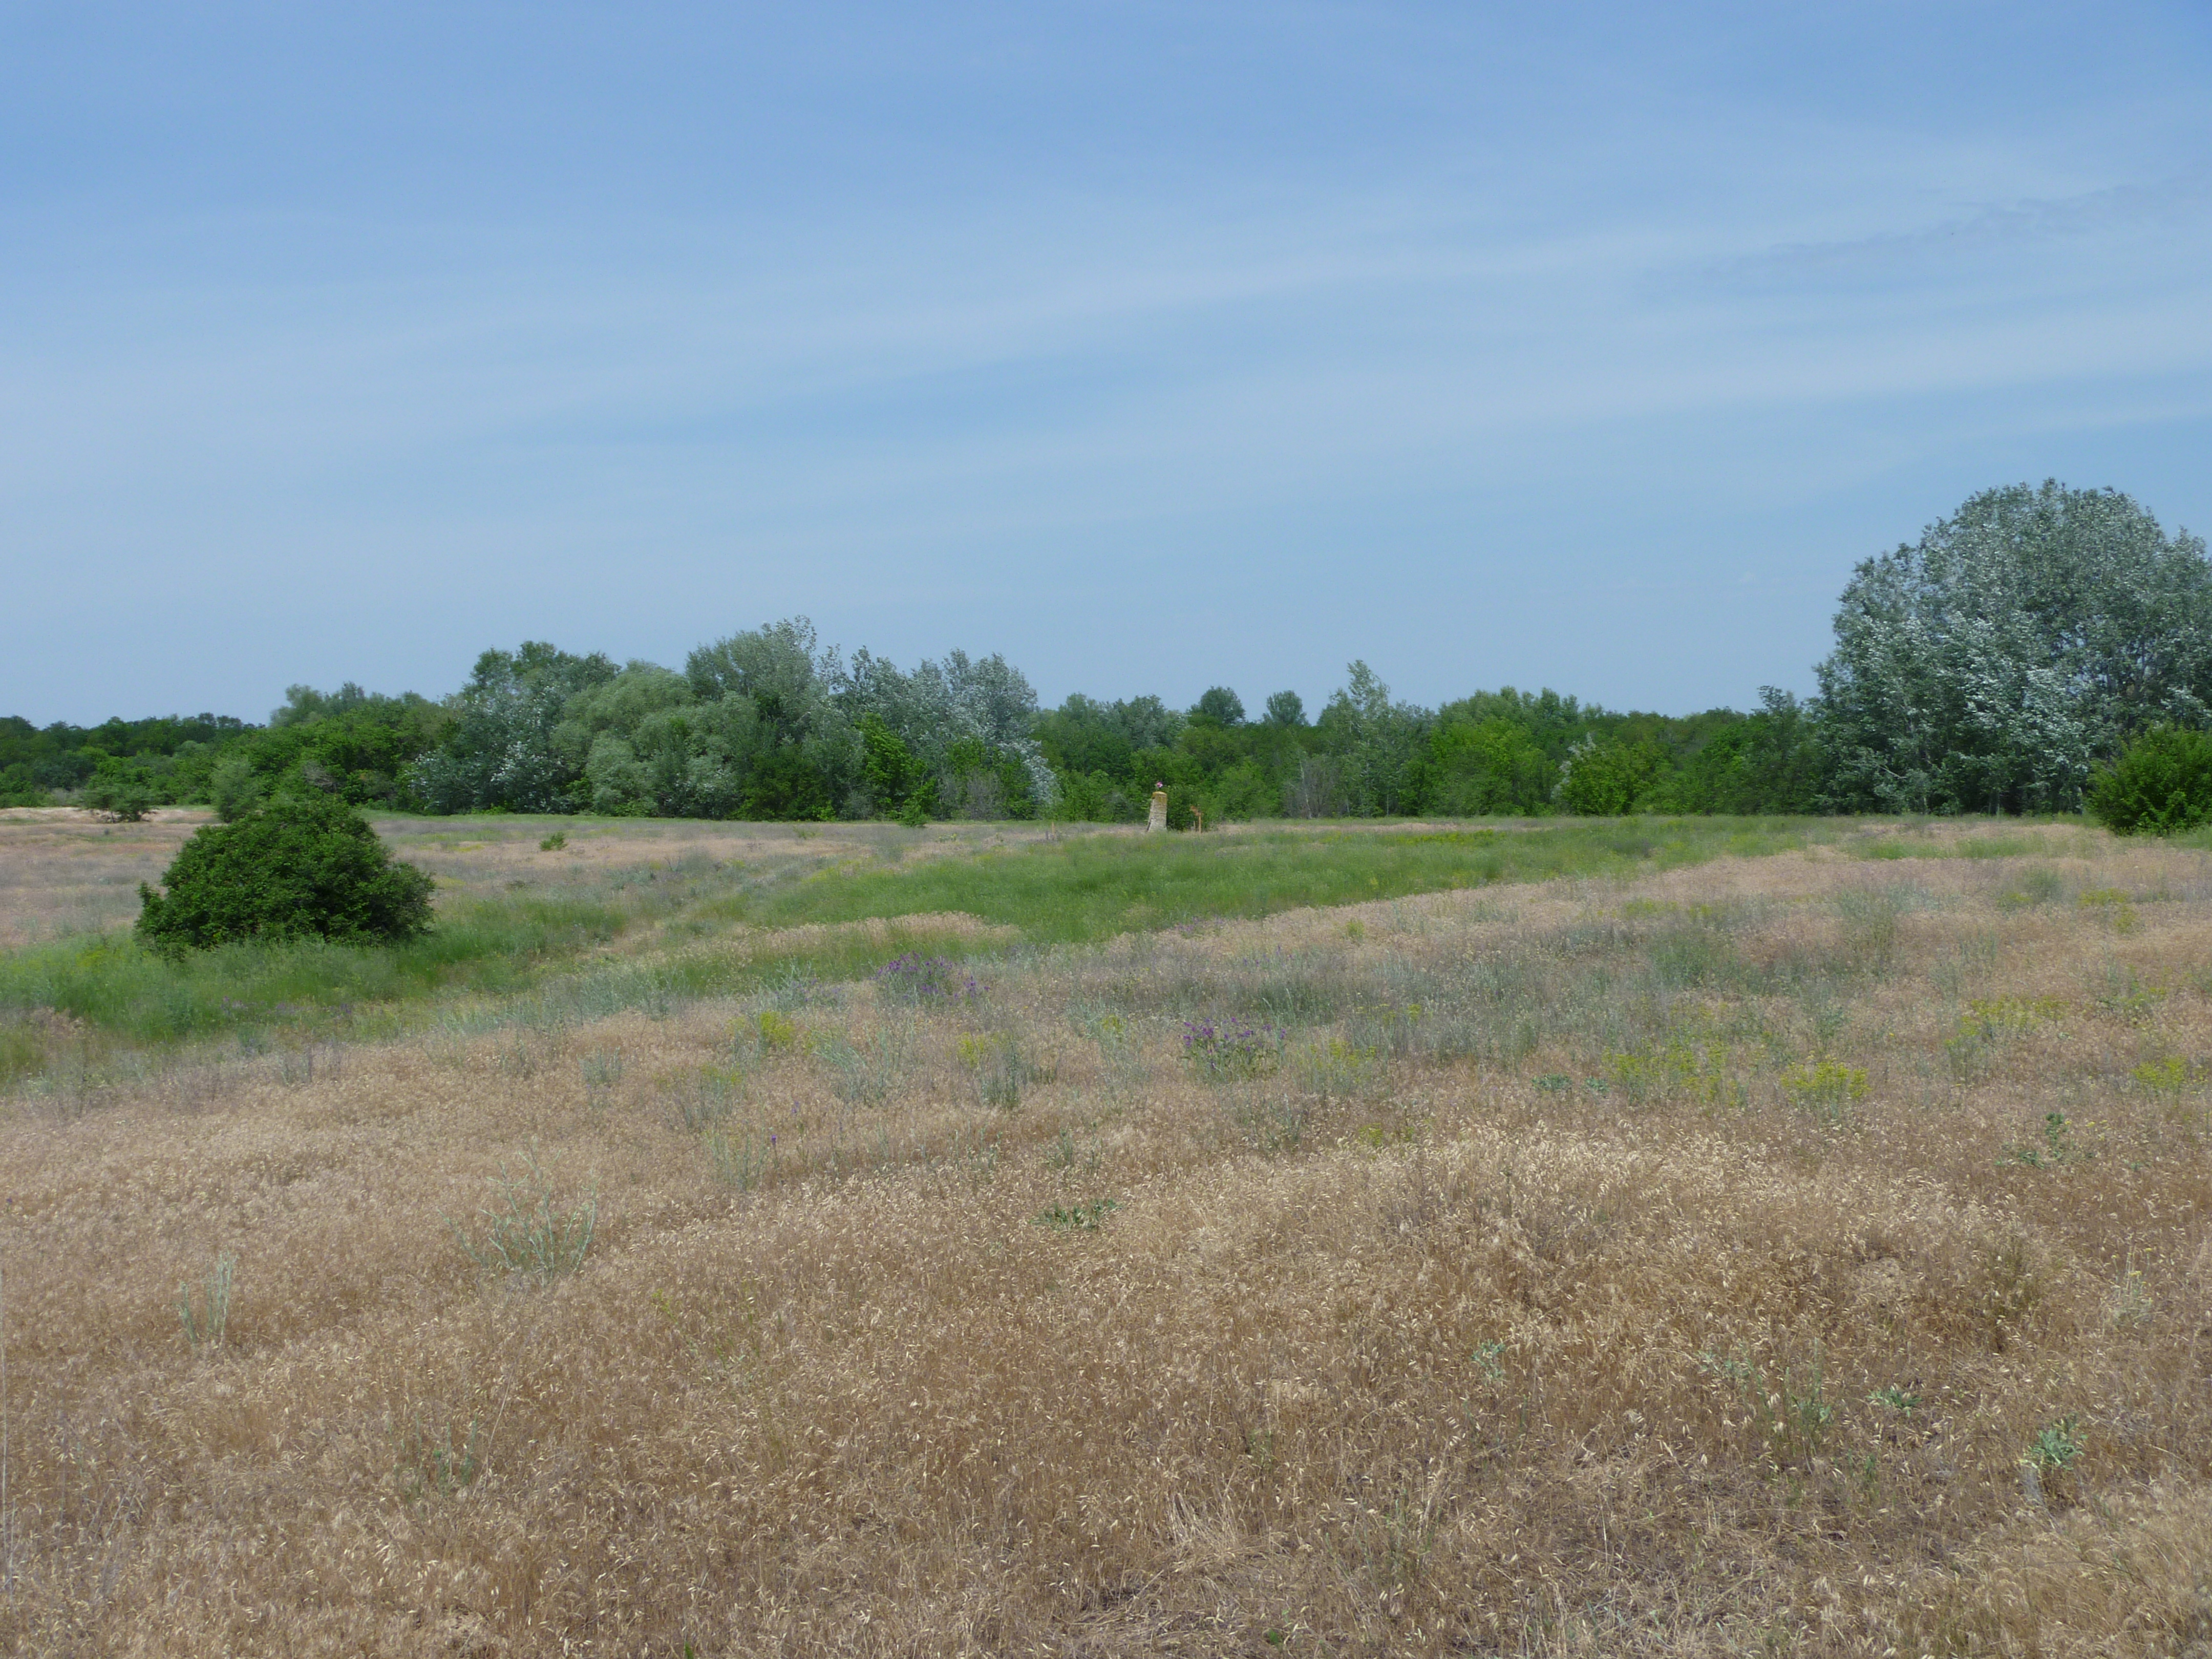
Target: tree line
[{"x": 1993, "y": 666}]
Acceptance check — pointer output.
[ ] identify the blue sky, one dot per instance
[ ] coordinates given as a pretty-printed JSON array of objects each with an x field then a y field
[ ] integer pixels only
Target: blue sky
[{"x": 1157, "y": 346}]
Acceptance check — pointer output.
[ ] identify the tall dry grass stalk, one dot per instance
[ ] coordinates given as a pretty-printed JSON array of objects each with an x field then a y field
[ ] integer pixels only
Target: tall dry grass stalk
[{"x": 1698, "y": 1266}]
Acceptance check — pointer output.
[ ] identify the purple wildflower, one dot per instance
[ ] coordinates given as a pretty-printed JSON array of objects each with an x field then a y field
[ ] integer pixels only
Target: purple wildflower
[{"x": 1230, "y": 1048}]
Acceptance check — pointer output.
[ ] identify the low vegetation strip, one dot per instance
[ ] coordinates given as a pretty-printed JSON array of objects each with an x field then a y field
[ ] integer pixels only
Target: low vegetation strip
[
  {"x": 1093, "y": 887},
  {"x": 672, "y": 927}
]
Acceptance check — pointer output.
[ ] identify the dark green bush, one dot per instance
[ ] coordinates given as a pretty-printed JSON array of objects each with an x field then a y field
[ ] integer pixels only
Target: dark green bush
[
  {"x": 121, "y": 790},
  {"x": 304, "y": 866},
  {"x": 2159, "y": 783}
]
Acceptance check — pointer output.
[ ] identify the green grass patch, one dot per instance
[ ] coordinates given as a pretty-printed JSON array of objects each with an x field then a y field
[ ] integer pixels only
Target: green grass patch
[
  {"x": 515, "y": 957},
  {"x": 489, "y": 947},
  {"x": 1915, "y": 839},
  {"x": 486, "y": 970},
  {"x": 1092, "y": 887}
]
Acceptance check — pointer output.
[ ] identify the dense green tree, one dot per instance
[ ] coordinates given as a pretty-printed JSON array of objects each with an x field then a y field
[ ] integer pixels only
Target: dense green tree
[
  {"x": 499, "y": 751},
  {"x": 892, "y": 775},
  {"x": 1989, "y": 666},
  {"x": 635, "y": 740},
  {"x": 970, "y": 723},
  {"x": 1606, "y": 776},
  {"x": 1769, "y": 761},
  {"x": 1374, "y": 741},
  {"x": 355, "y": 744},
  {"x": 124, "y": 790},
  {"x": 1486, "y": 765},
  {"x": 166, "y": 758},
  {"x": 1221, "y": 706}
]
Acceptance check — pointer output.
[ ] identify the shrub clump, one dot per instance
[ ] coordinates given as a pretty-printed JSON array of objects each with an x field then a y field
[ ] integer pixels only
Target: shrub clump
[
  {"x": 1220, "y": 1049},
  {"x": 2159, "y": 783},
  {"x": 302, "y": 865},
  {"x": 914, "y": 977}
]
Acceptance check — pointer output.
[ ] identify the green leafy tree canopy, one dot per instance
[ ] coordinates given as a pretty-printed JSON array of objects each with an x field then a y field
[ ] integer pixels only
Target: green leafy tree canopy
[{"x": 1988, "y": 666}]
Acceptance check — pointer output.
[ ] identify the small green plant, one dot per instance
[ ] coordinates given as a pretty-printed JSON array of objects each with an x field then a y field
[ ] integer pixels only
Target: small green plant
[
  {"x": 2058, "y": 1146},
  {"x": 863, "y": 1074},
  {"x": 2113, "y": 903},
  {"x": 526, "y": 1231},
  {"x": 432, "y": 1464},
  {"x": 797, "y": 986},
  {"x": 1555, "y": 1083},
  {"x": 2129, "y": 1305},
  {"x": 979, "y": 1157},
  {"x": 2014, "y": 1013},
  {"x": 776, "y": 1033},
  {"x": 1001, "y": 1071},
  {"x": 701, "y": 1099},
  {"x": 1066, "y": 1153},
  {"x": 1276, "y": 1124},
  {"x": 1408, "y": 1533},
  {"x": 2036, "y": 887},
  {"x": 602, "y": 1070},
  {"x": 2167, "y": 1078},
  {"x": 742, "y": 1157},
  {"x": 1376, "y": 1136},
  {"x": 1336, "y": 1070},
  {"x": 555, "y": 843},
  {"x": 2057, "y": 1445},
  {"x": 1486, "y": 1359},
  {"x": 1896, "y": 1399},
  {"x": 206, "y": 1318},
  {"x": 1826, "y": 1086},
  {"x": 926, "y": 981},
  {"x": 1791, "y": 1414},
  {"x": 23, "y": 1048},
  {"x": 2130, "y": 996},
  {"x": 1683, "y": 1069},
  {"x": 1078, "y": 1218}
]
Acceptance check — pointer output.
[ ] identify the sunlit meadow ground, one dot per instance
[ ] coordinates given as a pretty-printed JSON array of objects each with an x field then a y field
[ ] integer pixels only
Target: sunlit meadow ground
[
  {"x": 1801, "y": 1254},
  {"x": 64, "y": 872}
]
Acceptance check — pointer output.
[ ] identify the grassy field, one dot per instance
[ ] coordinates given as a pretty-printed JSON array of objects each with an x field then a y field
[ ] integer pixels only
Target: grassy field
[
  {"x": 1676, "y": 1240},
  {"x": 651, "y": 911}
]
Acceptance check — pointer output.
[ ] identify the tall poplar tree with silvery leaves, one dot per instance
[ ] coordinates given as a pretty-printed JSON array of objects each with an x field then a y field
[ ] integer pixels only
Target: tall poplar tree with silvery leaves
[
  {"x": 1990, "y": 666},
  {"x": 986, "y": 700}
]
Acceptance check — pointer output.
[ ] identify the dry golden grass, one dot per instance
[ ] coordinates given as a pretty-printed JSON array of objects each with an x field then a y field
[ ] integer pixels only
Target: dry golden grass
[
  {"x": 1530, "y": 1301},
  {"x": 62, "y": 871}
]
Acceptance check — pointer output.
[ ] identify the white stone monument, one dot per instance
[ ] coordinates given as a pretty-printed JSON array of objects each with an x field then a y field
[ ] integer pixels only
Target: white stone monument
[{"x": 1159, "y": 817}]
